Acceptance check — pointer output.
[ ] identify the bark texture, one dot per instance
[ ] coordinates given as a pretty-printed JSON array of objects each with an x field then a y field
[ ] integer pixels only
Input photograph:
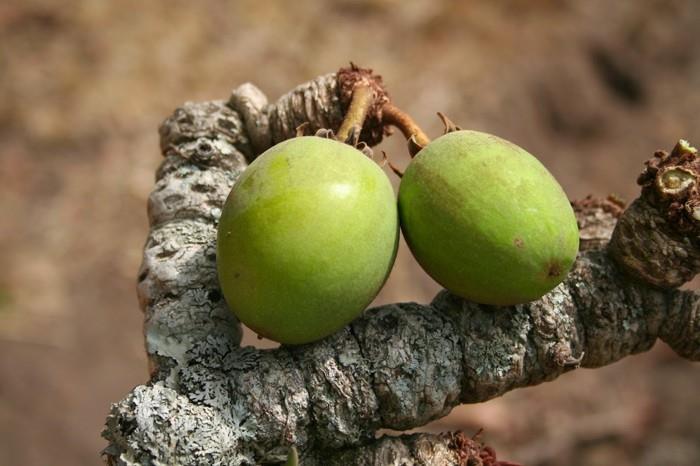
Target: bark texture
[
  {"x": 399, "y": 366},
  {"x": 658, "y": 242}
]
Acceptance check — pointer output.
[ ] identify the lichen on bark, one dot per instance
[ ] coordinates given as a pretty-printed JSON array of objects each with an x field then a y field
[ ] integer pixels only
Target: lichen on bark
[{"x": 210, "y": 401}]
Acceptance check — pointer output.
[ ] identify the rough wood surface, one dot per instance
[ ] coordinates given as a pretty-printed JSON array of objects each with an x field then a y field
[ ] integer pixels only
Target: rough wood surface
[
  {"x": 658, "y": 241},
  {"x": 211, "y": 402}
]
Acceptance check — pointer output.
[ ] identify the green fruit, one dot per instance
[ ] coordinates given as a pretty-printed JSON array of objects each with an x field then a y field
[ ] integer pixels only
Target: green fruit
[
  {"x": 306, "y": 239},
  {"x": 486, "y": 219}
]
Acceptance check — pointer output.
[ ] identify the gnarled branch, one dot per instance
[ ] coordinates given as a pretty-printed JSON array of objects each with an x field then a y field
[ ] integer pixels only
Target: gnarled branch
[{"x": 399, "y": 366}]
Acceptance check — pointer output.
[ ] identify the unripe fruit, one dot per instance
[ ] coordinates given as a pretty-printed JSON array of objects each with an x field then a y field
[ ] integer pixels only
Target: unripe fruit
[
  {"x": 306, "y": 239},
  {"x": 486, "y": 219}
]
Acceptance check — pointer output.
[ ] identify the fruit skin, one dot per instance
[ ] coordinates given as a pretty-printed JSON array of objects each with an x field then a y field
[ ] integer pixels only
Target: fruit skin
[
  {"x": 486, "y": 219},
  {"x": 307, "y": 238}
]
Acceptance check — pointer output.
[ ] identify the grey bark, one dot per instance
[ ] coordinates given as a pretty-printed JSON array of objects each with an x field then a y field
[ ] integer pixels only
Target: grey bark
[{"x": 210, "y": 401}]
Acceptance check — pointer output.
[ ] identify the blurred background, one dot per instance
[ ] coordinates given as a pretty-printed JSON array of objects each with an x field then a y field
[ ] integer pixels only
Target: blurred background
[{"x": 592, "y": 88}]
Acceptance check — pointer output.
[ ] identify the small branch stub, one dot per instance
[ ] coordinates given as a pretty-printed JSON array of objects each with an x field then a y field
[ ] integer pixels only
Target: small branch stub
[
  {"x": 657, "y": 238},
  {"x": 670, "y": 181}
]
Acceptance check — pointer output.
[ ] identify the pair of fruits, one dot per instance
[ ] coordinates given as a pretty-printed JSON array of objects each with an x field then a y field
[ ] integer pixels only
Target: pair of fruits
[{"x": 309, "y": 232}]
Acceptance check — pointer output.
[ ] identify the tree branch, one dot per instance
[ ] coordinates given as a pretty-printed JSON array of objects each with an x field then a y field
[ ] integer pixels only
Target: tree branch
[{"x": 399, "y": 366}]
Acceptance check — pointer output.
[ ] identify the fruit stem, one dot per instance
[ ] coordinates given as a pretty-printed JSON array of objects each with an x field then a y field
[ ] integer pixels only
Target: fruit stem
[
  {"x": 394, "y": 116},
  {"x": 362, "y": 99}
]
